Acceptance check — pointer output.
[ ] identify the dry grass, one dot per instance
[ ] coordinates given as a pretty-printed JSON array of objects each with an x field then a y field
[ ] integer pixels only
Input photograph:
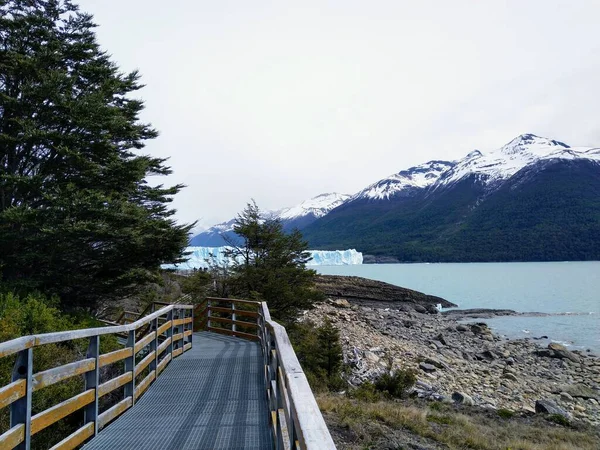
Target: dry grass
[{"x": 371, "y": 423}]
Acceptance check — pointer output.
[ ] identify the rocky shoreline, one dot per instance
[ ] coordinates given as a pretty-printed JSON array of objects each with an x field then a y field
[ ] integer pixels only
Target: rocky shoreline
[{"x": 464, "y": 363}]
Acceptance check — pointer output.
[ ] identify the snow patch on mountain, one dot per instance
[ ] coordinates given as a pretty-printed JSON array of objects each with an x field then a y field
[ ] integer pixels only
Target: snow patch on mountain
[
  {"x": 418, "y": 177},
  {"x": 501, "y": 164},
  {"x": 199, "y": 257},
  {"x": 317, "y": 206}
]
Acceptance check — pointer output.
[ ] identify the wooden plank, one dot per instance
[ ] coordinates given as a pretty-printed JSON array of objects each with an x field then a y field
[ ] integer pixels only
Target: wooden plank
[
  {"x": 309, "y": 424},
  {"x": 115, "y": 383},
  {"x": 163, "y": 346},
  {"x": 187, "y": 333},
  {"x": 186, "y": 347},
  {"x": 285, "y": 436},
  {"x": 251, "y": 337},
  {"x": 177, "y": 352},
  {"x": 233, "y": 300},
  {"x": 13, "y": 437},
  {"x": 237, "y": 322},
  {"x": 164, "y": 327},
  {"x": 144, "y": 341},
  {"x": 16, "y": 345},
  {"x": 145, "y": 362},
  {"x": 144, "y": 384},
  {"x": 63, "y": 409},
  {"x": 183, "y": 321},
  {"x": 161, "y": 365},
  {"x": 56, "y": 374},
  {"x": 75, "y": 439},
  {"x": 240, "y": 312},
  {"x": 177, "y": 337},
  {"x": 13, "y": 391},
  {"x": 112, "y": 357},
  {"x": 112, "y": 413}
]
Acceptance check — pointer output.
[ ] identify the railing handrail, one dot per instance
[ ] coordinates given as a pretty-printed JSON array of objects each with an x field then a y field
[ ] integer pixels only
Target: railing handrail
[
  {"x": 16, "y": 345},
  {"x": 311, "y": 428}
]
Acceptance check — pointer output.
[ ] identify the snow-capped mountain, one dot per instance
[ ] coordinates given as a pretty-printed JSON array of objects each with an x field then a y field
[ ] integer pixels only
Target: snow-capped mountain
[
  {"x": 501, "y": 164},
  {"x": 297, "y": 216},
  {"x": 317, "y": 206},
  {"x": 448, "y": 210},
  {"x": 533, "y": 199},
  {"x": 405, "y": 181}
]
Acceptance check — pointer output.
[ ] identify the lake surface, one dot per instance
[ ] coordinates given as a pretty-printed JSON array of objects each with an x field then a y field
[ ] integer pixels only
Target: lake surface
[{"x": 553, "y": 287}]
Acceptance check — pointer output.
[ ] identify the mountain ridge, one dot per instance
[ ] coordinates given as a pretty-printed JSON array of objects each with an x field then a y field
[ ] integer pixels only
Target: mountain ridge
[{"x": 421, "y": 213}]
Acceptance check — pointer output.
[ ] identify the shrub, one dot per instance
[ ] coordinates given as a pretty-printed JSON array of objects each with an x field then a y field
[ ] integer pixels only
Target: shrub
[
  {"x": 320, "y": 353},
  {"x": 366, "y": 392},
  {"x": 505, "y": 413},
  {"x": 396, "y": 384},
  {"x": 559, "y": 419}
]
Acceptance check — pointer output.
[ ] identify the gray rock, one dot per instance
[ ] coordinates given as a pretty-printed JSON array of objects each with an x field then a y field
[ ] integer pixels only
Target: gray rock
[
  {"x": 560, "y": 351},
  {"x": 566, "y": 397},
  {"x": 435, "y": 362},
  {"x": 440, "y": 337},
  {"x": 510, "y": 376},
  {"x": 462, "y": 398},
  {"x": 578, "y": 390},
  {"x": 429, "y": 368},
  {"x": 462, "y": 328},
  {"x": 420, "y": 309},
  {"x": 548, "y": 407}
]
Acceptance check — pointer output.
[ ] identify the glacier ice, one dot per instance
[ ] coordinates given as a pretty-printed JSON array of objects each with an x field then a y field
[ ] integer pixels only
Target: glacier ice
[{"x": 197, "y": 259}]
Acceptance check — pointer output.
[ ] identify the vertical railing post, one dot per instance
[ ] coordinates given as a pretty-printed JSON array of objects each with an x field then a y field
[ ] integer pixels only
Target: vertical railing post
[
  {"x": 130, "y": 367},
  {"x": 233, "y": 327},
  {"x": 192, "y": 327},
  {"x": 208, "y": 313},
  {"x": 92, "y": 380},
  {"x": 20, "y": 410},
  {"x": 170, "y": 318},
  {"x": 154, "y": 347}
]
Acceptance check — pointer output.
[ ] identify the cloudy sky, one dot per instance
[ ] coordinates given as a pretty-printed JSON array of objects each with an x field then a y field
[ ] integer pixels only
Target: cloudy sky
[{"x": 284, "y": 100}]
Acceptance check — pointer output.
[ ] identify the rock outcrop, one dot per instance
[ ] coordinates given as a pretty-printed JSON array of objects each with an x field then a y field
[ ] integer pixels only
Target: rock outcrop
[{"x": 359, "y": 290}]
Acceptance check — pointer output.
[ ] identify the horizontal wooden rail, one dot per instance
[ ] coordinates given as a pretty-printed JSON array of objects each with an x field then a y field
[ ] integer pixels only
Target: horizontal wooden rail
[
  {"x": 296, "y": 420},
  {"x": 143, "y": 333}
]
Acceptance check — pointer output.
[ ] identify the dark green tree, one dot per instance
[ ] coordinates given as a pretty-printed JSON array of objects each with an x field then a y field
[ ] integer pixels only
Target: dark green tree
[
  {"x": 77, "y": 215},
  {"x": 270, "y": 265}
]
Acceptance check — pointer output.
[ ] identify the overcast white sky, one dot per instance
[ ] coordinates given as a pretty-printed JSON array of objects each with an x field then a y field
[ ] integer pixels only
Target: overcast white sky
[{"x": 284, "y": 100}]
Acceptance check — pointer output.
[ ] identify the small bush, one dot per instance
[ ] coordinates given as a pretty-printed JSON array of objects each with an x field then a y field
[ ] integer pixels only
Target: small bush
[
  {"x": 320, "y": 353},
  {"x": 442, "y": 420},
  {"x": 560, "y": 420},
  {"x": 366, "y": 392},
  {"x": 396, "y": 384},
  {"x": 505, "y": 413}
]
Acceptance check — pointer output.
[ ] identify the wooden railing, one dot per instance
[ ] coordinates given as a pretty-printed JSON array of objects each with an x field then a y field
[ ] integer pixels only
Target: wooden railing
[
  {"x": 168, "y": 334},
  {"x": 295, "y": 419}
]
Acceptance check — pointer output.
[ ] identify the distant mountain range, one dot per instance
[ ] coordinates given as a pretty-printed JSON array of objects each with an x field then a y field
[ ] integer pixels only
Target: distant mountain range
[
  {"x": 534, "y": 199},
  {"x": 299, "y": 216}
]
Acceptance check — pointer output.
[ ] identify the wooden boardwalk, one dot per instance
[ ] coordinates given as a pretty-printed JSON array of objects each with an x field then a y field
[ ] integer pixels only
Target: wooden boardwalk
[{"x": 211, "y": 397}]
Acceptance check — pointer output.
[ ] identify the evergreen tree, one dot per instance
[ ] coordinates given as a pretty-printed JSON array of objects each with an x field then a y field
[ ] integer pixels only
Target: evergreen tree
[
  {"x": 77, "y": 216},
  {"x": 270, "y": 265}
]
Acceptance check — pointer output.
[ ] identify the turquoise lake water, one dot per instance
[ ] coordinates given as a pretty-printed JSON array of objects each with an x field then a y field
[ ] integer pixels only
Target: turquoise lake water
[{"x": 553, "y": 287}]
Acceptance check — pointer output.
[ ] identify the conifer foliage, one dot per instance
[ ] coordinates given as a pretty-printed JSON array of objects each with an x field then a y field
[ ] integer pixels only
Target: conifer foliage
[
  {"x": 77, "y": 216},
  {"x": 270, "y": 265}
]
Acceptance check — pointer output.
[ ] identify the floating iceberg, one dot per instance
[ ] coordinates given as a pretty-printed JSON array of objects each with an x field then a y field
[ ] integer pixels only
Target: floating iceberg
[{"x": 199, "y": 257}]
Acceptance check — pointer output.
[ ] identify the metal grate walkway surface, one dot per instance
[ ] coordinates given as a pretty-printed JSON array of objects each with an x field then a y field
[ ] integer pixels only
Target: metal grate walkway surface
[{"x": 211, "y": 397}]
